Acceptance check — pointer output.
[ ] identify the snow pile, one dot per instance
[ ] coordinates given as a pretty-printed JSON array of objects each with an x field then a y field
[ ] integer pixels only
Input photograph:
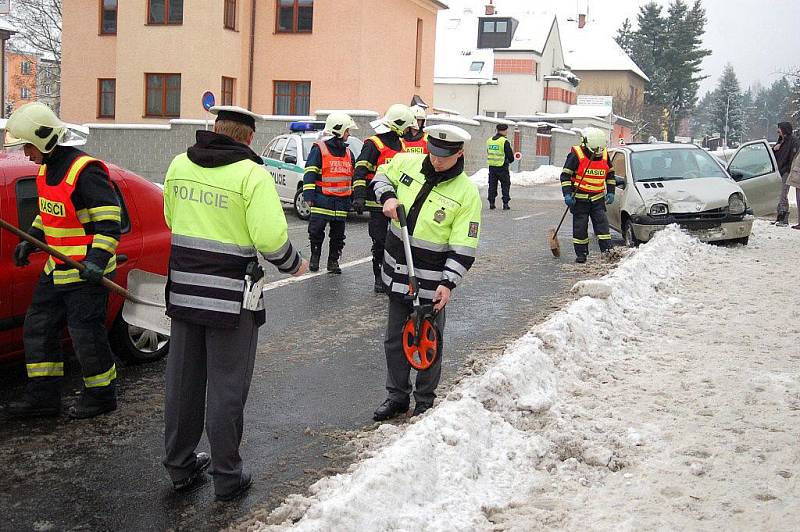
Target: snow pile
[
  {"x": 544, "y": 175},
  {"x": 495, "y": 440}
]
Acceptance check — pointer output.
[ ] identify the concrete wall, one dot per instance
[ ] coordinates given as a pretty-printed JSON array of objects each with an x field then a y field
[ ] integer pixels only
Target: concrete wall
[{"x": 560, "y": 143}]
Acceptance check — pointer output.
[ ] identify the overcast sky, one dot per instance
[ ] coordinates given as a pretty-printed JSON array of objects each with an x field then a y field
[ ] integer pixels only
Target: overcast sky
[{"x": 760, "y": 38}]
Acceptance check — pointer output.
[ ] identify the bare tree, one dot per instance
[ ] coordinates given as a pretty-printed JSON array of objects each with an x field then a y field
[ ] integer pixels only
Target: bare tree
[{"x": 39, "y": 25}]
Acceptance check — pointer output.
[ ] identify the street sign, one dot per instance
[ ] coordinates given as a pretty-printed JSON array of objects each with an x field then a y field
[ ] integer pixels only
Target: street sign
[
  {"x": 518, "y": 156},
  {"x": 5, "y": 7},
  {"x": 589, "y": 99},
  {"x": 208, "y": 99}
]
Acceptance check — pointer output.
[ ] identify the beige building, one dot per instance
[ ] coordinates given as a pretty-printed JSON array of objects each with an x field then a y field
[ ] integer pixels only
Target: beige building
[{"x": 152, "y": 60}]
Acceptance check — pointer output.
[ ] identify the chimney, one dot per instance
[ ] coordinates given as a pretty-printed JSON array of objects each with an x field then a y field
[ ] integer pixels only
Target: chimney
[
  {"x": 581, "y": 20},
  {"x": 490, "y": 8}
]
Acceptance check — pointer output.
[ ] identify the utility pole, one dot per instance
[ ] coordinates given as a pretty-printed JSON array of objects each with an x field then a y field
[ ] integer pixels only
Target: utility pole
[{"x": 727, "y": 108}]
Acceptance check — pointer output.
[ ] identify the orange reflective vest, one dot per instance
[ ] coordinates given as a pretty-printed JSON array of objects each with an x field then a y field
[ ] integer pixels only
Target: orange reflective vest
[
  {"x": 416, "y": 146},
  {"x": 62, "y": 224},
  {"x": 337, "y": 172},
  {"x": 590, "y": 178},
  {"x": 386, "y": 154}
]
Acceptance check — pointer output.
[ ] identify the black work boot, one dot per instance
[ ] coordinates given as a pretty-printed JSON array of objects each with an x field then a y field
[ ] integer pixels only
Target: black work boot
[
  {"x": 506, "y": 207},
  {"x": 333, "y": 262},
  {"x": 201, "y": 463},
  {"x": 244, "y": 484},
  {"x": 93, "y": 403},
  {"x": 580, "y": 259},
  {"x": 313, "y": 262},
  {"x": 492, "y": 205},
  {"x": 32, "y": 406},
  {"x": 783, "y": 220},
  {"x": 389, "y": 409},
  {"x": 421, "y": 407}
]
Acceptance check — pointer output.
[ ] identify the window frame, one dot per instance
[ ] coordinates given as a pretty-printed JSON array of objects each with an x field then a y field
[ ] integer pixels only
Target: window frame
[
  {"x": 230, "y": 9},
  {"x": 164, "y": 90},
  {"x": 293, "y": 84},
  {"x": 231, "y": 92},
  {"x": 102, "y": 18},
  {"x": 24, "y": 93},
  {"x": 295, "y": 18},
  {"x": 167, "y": 22},
  {"x": 26, "y": 71},
  {"x": 100, "y": 93}
]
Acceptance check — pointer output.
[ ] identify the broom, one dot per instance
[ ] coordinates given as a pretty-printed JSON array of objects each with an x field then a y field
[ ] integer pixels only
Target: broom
[{"x": 552, "y": 234}]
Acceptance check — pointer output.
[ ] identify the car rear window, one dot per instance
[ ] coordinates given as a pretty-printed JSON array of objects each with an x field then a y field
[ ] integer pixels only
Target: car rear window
[{"x": 673, "y": 164}]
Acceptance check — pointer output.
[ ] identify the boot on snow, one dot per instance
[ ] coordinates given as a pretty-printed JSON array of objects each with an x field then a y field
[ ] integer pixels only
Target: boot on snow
[
  {"x": 333, "y": 261},
  {"x": 783, "y": 220},
  {"x": 313, "y": 262},
  {"x": 389, "y": 409},
  {"x": 580, "y": 259},
  {"x": 42, "y": 398},
  {"x": 93, "y": 403}
]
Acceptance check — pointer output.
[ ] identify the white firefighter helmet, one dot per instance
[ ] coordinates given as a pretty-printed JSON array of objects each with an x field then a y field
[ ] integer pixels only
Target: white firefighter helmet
[
  {"x": 338, "y": 122},
  {"x": 419, "y": 112},
  {"x": 595, "y": 140},
  {"x": 398, "y": 118},
  {"x": 35, "y": 123}
]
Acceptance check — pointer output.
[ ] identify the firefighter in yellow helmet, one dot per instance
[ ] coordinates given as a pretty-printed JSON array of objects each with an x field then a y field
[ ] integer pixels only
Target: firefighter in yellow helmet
[
  {"x": 588, "y": 184},
  {"x": 78, "y": 215}
]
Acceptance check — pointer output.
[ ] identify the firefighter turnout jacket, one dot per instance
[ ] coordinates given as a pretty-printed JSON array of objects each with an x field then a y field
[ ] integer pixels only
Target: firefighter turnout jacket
[
  {"x": 499, "y": 153},
  {"x": 79, "y": 214},
  {"x": 415, "y": 143},
  {"x": 223, "y": 209},
  {"x": 327, "y": 182},
  {"x": 377, "y": 150},
  {"x": 444, "y": 228},
  {"x": 586, "y": 177}
]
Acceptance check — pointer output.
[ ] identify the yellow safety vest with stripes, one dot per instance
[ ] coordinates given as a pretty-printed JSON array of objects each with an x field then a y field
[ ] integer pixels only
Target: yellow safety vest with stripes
[{"x": 495, "y": 151}]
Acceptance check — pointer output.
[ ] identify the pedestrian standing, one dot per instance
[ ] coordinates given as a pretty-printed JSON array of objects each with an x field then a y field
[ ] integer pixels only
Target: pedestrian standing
[
  {"x": 588, "y": 184},
  {"x": 443, "y": 219},
  {"x": 785, "y": 152},
  {"x": 499, "y": 156},
  {"x": 327, "y": 188},
  {"x": 794, "y": 181},
  {"x": 223, "y": 210},
  {"x": 378, "y": 150},
  {"x": 79, "y": 215}
]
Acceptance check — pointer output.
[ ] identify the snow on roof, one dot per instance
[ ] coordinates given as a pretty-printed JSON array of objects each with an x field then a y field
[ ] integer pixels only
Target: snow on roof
[
  {"x": 532, "y": 33},
  {"x": 589, "y": 48},
  {"x": 7, "y": 26}
]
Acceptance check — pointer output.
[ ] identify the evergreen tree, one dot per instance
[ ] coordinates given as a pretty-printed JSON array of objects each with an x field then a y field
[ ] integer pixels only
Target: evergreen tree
[
  {"x": 700, "y": 117},
  {"x": 727, "y": 111},
  {"x": 624, "y": 37},
  {"x": 750, "y": 124}
]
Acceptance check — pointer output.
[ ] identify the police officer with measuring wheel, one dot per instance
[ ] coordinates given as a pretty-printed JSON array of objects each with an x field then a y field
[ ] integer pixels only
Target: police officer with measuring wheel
[
  {"x": 443, "y": 219},
  {"x": 223, "y": 210}
]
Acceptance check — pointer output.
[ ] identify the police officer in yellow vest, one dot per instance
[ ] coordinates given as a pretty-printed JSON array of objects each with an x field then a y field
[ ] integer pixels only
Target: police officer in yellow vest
[
  {"x": 214, "y": 294},
  {"x": 588, "y": 184},
  {"x": 443, "y": 218},
  {"x": 78, "y": 215},
  {"x": 499, "y": 155}
]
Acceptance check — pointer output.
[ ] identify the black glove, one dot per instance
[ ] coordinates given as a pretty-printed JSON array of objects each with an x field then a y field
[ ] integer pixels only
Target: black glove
[
  {"x": 92, "y": 273},
  {"x": 358, "y": 205},
  {"x": 21, "y": 253}
]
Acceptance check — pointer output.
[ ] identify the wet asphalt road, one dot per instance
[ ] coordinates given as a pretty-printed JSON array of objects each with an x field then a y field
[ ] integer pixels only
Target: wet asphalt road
[{"x": 319, "y": 373}]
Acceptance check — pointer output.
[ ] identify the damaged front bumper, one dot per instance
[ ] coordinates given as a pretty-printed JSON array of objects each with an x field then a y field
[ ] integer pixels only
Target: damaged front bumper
[{"x": 708, "y": 227}]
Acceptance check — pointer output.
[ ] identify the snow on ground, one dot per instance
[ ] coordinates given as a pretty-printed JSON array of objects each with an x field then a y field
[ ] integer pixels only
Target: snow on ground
[
  {"x": 666, "y": 397},
  {"x": 544, "y": 175}
]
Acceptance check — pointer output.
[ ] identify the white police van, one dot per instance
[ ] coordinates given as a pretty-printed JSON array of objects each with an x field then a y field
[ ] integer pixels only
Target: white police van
[{"x": 285, "y": 158}]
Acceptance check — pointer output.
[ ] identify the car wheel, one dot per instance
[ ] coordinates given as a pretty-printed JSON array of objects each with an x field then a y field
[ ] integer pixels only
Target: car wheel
[
  {"x": 627, "y": 233},
  {"x": 743, "y": 241},
  {"x": 301, "y": 208},
  {"x": 135, "y": 345}
]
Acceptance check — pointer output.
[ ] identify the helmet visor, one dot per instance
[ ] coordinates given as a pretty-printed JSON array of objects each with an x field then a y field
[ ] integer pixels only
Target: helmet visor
[{"x": 10, "y": 141}]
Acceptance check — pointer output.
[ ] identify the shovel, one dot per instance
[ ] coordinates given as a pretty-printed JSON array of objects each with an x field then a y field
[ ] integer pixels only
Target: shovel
[
  {"x": 145, "y": 312},
  {"x": 421, "y": 336}
]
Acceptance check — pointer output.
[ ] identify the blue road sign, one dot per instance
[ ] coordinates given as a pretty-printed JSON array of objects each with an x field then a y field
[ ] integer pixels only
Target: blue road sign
[{"x": 208, "y": 100}]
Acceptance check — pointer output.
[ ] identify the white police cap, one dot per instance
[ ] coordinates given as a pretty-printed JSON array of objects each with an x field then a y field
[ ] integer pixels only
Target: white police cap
[
  {"x": 445, "y": 140},
  {"x": 236, "y": 114}
]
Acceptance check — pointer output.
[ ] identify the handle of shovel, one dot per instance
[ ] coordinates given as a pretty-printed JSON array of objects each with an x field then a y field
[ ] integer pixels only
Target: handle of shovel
[{"x": 111, "y": 285}]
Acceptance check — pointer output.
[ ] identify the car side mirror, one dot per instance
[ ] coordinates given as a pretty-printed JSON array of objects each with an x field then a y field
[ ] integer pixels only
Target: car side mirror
[
  {"x": 737, "y": 176},
  {"x": 620, "y": 182},
  {"x": 290, "y": 159}
]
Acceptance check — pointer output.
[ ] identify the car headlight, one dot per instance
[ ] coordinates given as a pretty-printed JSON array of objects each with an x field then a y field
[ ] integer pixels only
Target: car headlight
[
  {"x": 736, "y": 204},
  {"x": 659, "y": 209}
]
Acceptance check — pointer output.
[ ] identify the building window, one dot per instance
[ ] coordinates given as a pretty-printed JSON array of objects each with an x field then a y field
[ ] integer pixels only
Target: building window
[
  {"x": 165, "y": 11},
  {"x": 163, "y": 99},
  {"x": 108, "y": 17},
  {"x": 294, "y": 16},
  {"x": 24, "y": 93},
  {"x": 230, "y": 14},
  {"x": 292, "y": 98},
  {"x": 418, "y": 60},
  {"x": 106, "y": 97},
  {"x": 227, "y": 91},
  {"x": 26, "y": 67},
  {"x": 47, "y": 90}
]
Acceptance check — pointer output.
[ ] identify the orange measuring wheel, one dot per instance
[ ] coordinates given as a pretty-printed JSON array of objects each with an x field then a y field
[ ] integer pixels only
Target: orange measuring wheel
[{"x": 421, "y": 349}]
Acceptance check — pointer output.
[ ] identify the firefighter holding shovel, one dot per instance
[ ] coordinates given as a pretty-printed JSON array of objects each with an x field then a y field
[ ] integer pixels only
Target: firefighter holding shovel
[{"x": 435, "y": 213}]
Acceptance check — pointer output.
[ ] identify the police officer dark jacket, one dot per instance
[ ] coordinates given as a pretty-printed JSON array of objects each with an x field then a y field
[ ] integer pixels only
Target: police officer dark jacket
[
  {"x": 333, "y": 204},
  {"x": 377, "y": 150}
]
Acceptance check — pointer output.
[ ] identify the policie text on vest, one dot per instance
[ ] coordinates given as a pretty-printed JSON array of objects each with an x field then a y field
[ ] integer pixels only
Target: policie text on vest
[{"x": 212, "y": 199}]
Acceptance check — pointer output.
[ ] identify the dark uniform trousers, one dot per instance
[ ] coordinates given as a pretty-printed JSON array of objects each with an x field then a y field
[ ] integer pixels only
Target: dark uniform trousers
[
  {"x": 501, "y": 174},
  {"x": 82, "y": 308},
  {"x": 398, "y": 377},
  {"x": 336, "y": 234},
  {"x": 224, "y": 358},
  {"x": 378, "y": 227},
  {"x": 581, "y": 212}
]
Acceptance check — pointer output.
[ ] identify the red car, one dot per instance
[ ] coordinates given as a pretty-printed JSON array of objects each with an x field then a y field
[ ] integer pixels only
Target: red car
[{"x": 144, "y": 245}]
